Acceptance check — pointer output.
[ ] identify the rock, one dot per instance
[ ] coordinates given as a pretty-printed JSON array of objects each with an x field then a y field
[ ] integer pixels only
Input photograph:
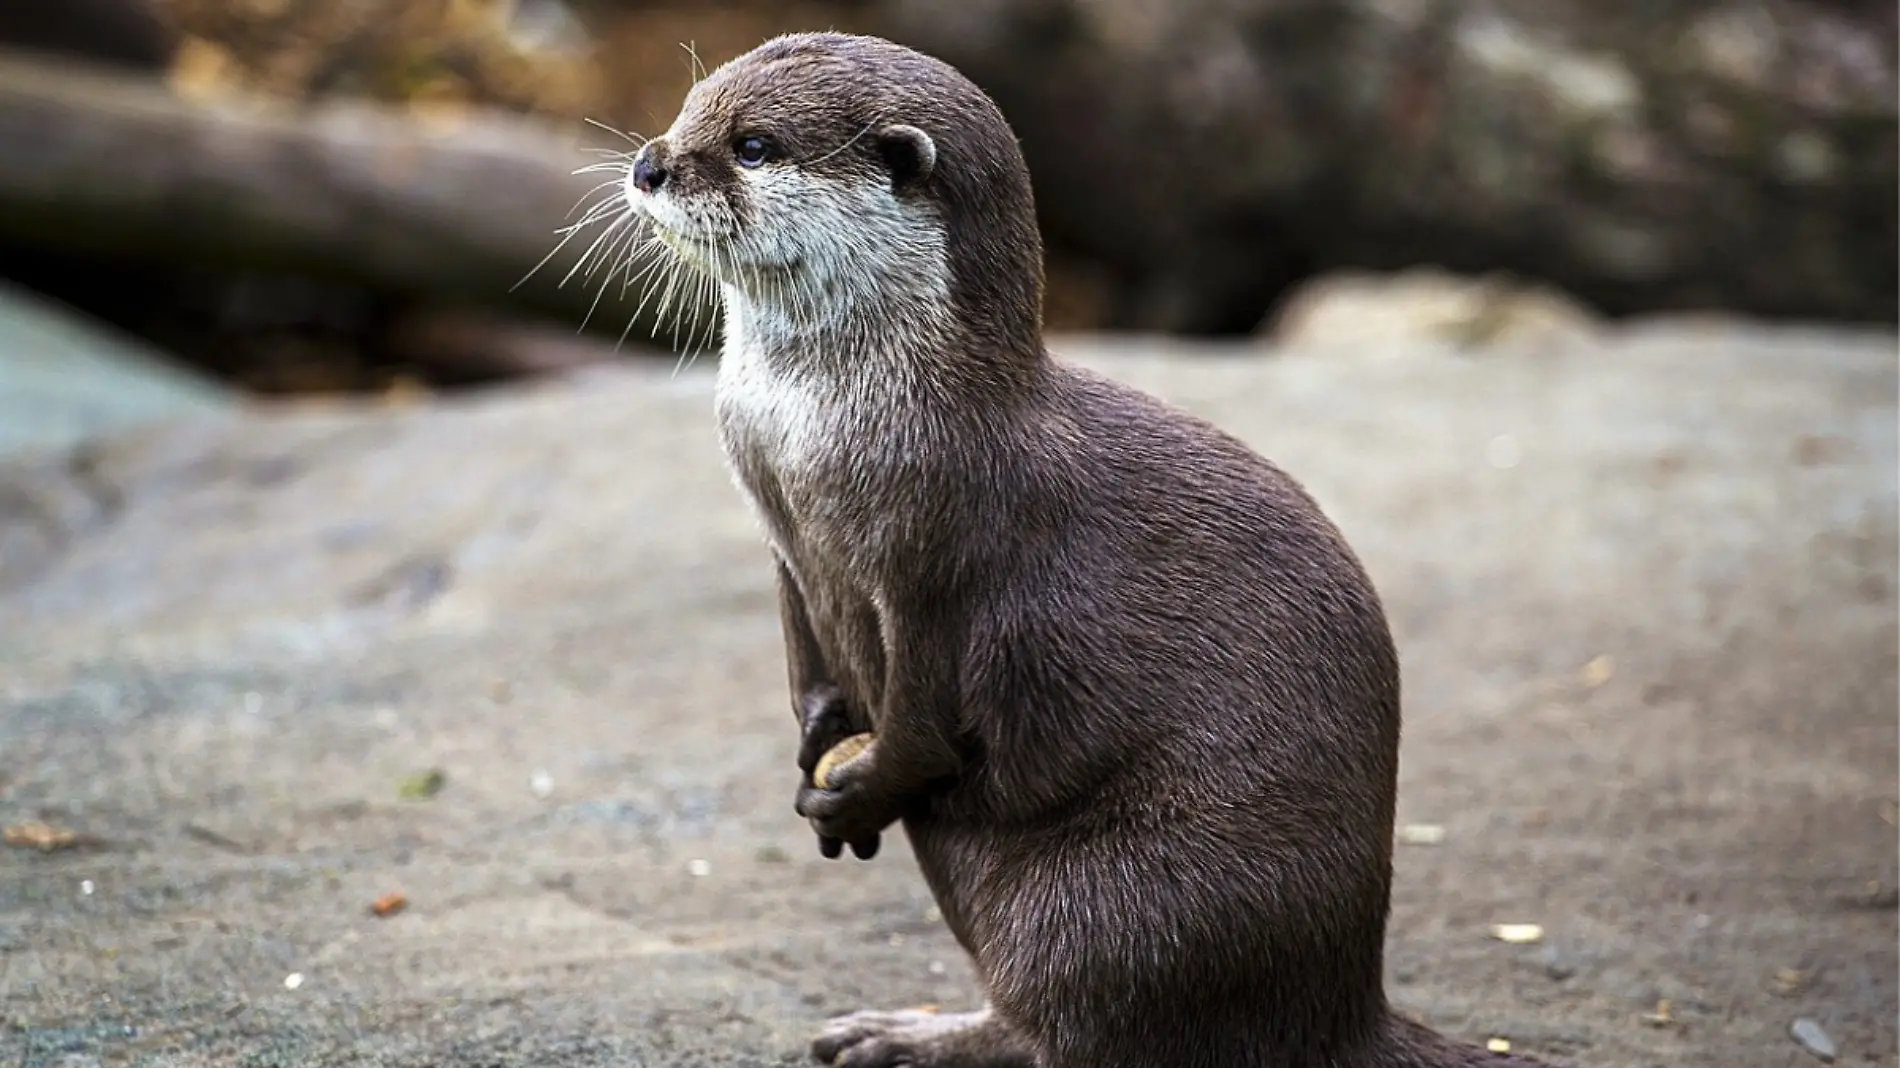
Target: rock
[
  {"x": 285, "y": 612},
  {"x": 1398, "y": 311},
  {"x": 1812, "y": 1038},
  {"x": 849, "y": 749},
  {"x": 64, "y": 379},
  {"x": 1737, "y": 154}
]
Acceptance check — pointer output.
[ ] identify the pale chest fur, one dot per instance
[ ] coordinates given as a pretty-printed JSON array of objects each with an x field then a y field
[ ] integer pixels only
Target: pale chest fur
[
  {"x": 795, "y": 449},
  {"x": 828, "y": 458},
  {"x": 772, "y": 426}
]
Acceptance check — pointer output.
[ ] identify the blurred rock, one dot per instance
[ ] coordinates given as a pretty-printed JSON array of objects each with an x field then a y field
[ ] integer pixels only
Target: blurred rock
[
  {"x": 1738, "y": 154},
  {"x": 1358, "y": 309},
  {"x": 63, "y": 380}
]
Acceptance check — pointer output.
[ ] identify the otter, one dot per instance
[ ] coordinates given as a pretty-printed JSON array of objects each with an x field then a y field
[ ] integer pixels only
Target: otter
[{"x": 1132, "y": 699}]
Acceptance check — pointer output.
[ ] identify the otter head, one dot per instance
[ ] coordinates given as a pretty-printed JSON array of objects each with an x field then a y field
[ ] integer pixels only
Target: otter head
[{"x": 834, "y": 181}]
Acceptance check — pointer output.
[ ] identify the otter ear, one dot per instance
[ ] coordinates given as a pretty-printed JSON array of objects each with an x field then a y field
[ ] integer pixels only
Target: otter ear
[{"x": 908, "y": 152}]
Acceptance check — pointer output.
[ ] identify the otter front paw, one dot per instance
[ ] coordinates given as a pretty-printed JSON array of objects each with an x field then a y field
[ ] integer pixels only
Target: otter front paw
[
  {"x": 848, "y": 808},
  {"x": 826, "y": 739},
  {"x": 824, "y": 720}
]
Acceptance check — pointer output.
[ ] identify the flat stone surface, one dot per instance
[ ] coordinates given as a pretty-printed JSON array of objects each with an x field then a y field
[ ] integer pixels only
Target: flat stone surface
[{"x": 1645, "y": 595}]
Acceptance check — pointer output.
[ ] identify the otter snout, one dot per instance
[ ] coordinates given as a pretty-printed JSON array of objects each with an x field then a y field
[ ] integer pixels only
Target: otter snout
[{"x": 648, "y": 175}]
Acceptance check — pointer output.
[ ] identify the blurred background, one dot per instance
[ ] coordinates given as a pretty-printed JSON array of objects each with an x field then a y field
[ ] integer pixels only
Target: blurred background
[{"x": 313, "y": 196}]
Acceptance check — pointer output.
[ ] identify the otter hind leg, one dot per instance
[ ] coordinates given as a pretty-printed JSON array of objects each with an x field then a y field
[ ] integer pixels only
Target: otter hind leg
[{"x": 921, "y": 1039}]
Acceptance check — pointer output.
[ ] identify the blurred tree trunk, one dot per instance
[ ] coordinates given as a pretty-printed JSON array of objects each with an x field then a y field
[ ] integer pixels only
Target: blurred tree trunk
[
  {"x": 1735, "y": 154},
  {"x": 117, "y": 169}
]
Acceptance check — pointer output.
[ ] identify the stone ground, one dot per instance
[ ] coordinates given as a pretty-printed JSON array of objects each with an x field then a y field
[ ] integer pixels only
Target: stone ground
[{"x": 1645, "y": 593}]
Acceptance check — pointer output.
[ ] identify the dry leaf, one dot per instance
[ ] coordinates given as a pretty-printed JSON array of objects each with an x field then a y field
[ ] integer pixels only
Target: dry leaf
[
  {"x": 1790, "y": 981},
  {"x": 1498, "y": 1045},
  {"x": 43, "y": 837},
  {"x": 389, "y": 904},
  {"x": 1661, "y": 1017}
]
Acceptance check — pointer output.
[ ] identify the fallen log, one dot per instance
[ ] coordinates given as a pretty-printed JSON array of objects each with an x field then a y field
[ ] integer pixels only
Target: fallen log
[{"x": 456, "y": 211}]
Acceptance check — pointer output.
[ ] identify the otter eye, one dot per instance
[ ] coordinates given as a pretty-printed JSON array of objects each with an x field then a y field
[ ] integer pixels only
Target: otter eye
[{"x": 752, "y": 151}]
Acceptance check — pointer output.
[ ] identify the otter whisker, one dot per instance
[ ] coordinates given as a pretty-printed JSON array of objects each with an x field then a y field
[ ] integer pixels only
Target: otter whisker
[
  {"x": 621, "y": 243},
  {"x": 587, "y": 256},
  {"x": 669, "y": 286},
  {"x": 653, "y": 276},
  {"x": 655, "y": 250},
  {"x": 618, "y": 164},
  {"x": 651, "y": 260},
  {"x": 625, "y": 238},
  {"x": 698, "y": 68},
  {"x": 855, "y": 138},
  {"x": 611, "y": 186},
  {"x": 638, "y": 142},
  {"x": 594, "y": 214},
  {"x": 691, "y": 348},
  {"x": 702, "y": 320},
  {"x": 689, "y": 305},
  {"x": 649, "y": 249},
  {"x": 658, "y": 263},
  {"x": 601, "y": 209}
]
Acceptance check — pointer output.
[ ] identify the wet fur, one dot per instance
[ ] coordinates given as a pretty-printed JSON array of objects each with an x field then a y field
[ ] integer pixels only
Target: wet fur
[{"x": 1136, "y": 702}]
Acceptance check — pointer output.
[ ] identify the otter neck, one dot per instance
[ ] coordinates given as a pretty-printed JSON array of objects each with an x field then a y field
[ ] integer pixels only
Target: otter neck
[{"x": 905, "y": 337}]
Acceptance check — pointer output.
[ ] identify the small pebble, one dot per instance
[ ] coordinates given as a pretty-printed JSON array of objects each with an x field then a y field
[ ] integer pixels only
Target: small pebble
[
  {"x": 771, "y": 854},
  {"x": 541, "y": 784},
  {"x": 1518, "y": 934},
  {"x": 293, "y": 980},
  {"x": 86, "y": 887},
  {"x": 1421, "y": 834},
  {"x": 1598, "y": 671},
  {"x": 897, "y": 939},
  {"x": 1811, "y": 1038},
  {"x": 938, "y": 967},
  {"x": 699, "y": 868},
  {"x": 933, "y": 914}
]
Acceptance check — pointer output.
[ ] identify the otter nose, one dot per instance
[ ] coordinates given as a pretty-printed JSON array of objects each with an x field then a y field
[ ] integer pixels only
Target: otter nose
[{"x": 648, "y": 175}]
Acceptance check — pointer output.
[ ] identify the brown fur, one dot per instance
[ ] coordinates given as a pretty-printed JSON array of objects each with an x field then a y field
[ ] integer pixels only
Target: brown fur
[{"x": 1136, "y": 702}]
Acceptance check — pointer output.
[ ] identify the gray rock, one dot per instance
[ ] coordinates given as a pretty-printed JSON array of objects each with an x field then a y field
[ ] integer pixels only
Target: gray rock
[
  {"x": 63, "y": 379},
  {"x": 284, "y": 615},
  {"x": 1812, "y": 1038}
]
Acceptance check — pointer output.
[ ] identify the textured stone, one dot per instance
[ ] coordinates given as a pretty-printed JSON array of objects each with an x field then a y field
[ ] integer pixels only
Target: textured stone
[{"x": 222, "y": 685}]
